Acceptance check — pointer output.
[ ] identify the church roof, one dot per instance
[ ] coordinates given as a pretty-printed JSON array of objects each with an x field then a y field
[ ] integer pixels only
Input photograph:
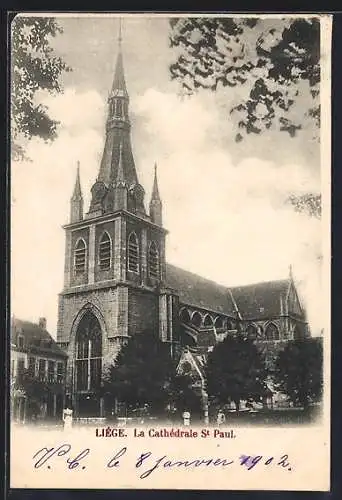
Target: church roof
[
  {"x": 260, "y": 300},
  {"x": 36, "y": 339},
  {"x": 256, "y": 301},
  {"x": 199, "y": 292}
]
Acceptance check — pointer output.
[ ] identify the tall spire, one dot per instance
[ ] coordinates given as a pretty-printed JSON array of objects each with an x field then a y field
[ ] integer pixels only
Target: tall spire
[
  {"x": 155, "y": 190},
  {"x": 77, "y": 194},
  {"x": 117, "y": 160},
  {"x": 155, "y": 203},
  {"x": 76, "y": 204}
]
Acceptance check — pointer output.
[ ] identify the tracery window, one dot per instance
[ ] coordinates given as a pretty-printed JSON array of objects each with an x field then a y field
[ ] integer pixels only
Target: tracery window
[
  {"x": 153, "y": 260},
  {"x": 272, "y": 332},
  {"x": 184, "y": 316},
  {"x": 80, "y": 256},
  {"x": 88, "y": 361},
  {"x": 133, "y": 253},
  {"x": 208, "y": 320},
  {"x": 105, "y": 248},
  {"x": 219, "y": 322},
  {"x": 196, "y": 319}
]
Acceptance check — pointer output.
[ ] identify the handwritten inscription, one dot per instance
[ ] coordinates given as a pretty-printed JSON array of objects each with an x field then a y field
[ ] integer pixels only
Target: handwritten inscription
[{"x": 146, "y": 463}]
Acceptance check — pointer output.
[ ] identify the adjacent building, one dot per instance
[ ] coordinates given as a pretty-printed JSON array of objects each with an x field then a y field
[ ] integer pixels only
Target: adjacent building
[{"x": 38, "y": 367}]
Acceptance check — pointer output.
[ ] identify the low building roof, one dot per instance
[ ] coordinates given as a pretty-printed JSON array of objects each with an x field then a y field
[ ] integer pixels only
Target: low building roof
[{"x": 36, "y": 339}]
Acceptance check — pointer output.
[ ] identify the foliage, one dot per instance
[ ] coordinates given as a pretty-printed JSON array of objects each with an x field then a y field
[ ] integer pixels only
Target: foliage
[
  {"x": 299, "y": 371},
  {"x": 235, "y": 370},
  {"x": 34, "y": 68},
  {"x": 35, "y": 391},
  {"x": 276, "y": 62},
  {"x": 142, "y": 373},
  {"x": 308, "y": 203},
  {"x": 183, "y": 396}
]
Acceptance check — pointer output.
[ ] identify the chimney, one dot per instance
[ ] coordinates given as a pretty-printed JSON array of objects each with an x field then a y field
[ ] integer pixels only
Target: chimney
[{"x": 42, "y": 323}]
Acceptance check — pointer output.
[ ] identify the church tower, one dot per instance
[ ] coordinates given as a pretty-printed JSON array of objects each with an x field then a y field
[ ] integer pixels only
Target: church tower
[{"x": 114, "y": 261}]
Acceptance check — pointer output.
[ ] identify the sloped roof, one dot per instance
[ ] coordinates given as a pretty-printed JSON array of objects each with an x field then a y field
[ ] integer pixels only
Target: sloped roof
[
  {"x": 260, "y": 300},
  {"x": 200, "y": 292},
  {"x": 35, "y": 338}
]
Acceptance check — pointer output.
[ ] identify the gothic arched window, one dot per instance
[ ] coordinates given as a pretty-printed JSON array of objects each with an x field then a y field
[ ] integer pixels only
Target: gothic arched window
[
  {"x": 208, "y": 320},
  {"x": 133, "y": 253},
  {"x": 80, "y": 256},
  {"x": 105, "y": 252},
  {"x": 88, "y": 357},
  {"x": 153, "y": 260},
  {"x": 196, "y": 319},
  {"x": 272, "y": 332},
  {"x": 219, "y": 322},
  {"x": 251, "y": 331},
  {"x": 184, "y": 316}
]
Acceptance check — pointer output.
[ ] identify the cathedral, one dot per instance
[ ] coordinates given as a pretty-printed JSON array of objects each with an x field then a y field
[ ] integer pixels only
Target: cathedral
[{"x": 117, "y": 282}]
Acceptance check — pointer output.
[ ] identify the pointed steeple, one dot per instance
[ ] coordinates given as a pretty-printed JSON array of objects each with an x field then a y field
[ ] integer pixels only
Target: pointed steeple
[
  {"x": 155, "y": 203},
  {"x": 118, "y": 154},
  {"x": 155, "y": 190},
  {"x": 77, "y": 189},
  {"x": 76, "y": 209},
  {"x": 119, "y": 83}
]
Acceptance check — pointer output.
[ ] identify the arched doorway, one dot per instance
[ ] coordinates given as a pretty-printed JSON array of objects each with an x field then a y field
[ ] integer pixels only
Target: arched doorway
[{"x": 88, "y": 366}]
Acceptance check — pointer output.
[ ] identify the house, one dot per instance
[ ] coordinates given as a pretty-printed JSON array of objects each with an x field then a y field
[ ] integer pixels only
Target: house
[{"x": 38, "y": 367}]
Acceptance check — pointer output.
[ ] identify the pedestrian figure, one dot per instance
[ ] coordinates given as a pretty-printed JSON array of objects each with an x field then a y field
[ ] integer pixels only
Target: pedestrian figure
[
  {"x": 186, "y": 417},
  {"x": 67, "y": 418},
  {"x": 221, "y": 418}
]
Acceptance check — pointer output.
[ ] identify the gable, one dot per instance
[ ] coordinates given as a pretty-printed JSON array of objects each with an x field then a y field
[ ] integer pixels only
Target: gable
[
  {"x": 293, "y": 302},
  {"x": 261, "y": 300}
]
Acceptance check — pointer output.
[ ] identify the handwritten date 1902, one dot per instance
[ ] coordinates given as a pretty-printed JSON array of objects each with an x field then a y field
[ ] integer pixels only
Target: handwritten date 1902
[{"x": 148, "y": 463}]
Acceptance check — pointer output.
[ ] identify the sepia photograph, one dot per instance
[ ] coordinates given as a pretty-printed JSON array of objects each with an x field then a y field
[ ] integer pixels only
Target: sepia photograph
[{"x": 170, "y": 232}]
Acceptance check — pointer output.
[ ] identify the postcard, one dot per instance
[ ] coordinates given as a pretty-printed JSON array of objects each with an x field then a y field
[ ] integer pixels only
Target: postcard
[{"x": 170, "y": 251}]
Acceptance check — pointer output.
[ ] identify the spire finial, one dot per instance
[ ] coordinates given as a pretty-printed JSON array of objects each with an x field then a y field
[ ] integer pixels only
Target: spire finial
[
  {"x": 290, "y": 272},
  {"x": 120, "y": 32}
]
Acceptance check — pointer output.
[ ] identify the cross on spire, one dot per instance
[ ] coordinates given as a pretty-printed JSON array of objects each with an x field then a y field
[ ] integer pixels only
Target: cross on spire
[{"x": 120, "y": 31}]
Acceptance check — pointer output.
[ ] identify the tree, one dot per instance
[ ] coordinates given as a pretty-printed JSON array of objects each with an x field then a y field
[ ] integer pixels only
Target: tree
[
  {"x": 34, "y": 68},
  {"x": 308, "y": 203},
  {"x": 183, "y": 396},
  {"x": 142, "y": 373},
  {"x": 35, "y": 391},
  {"x": 235, "y": 371},
  {"x": 299, "y": 371},
  {"x": 276, "y": 62}
]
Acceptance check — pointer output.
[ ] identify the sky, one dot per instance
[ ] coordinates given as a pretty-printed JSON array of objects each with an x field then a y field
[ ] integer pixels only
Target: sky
[{"x": 223, "y": 202}]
